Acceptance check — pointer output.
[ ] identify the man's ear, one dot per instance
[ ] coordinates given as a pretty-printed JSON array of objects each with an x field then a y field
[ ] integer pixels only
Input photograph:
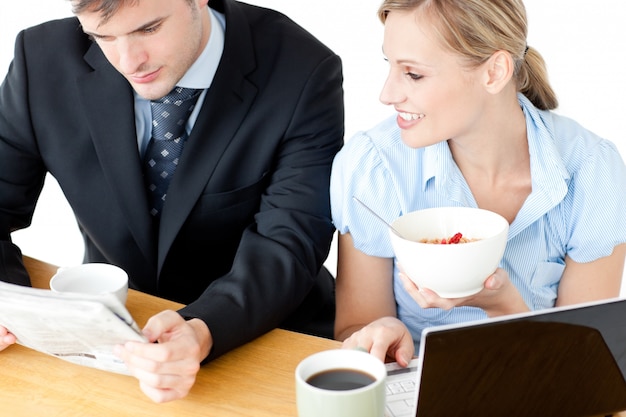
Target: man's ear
[{"x": 499, "y": 70}]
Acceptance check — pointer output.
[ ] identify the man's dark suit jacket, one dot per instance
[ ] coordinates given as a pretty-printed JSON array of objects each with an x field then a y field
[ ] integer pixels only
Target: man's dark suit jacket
[{"x": 246, "y": 226}]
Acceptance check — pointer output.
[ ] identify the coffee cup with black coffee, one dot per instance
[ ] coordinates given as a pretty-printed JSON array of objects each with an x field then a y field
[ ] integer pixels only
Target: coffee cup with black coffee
[{"x": 340, "y": 383}]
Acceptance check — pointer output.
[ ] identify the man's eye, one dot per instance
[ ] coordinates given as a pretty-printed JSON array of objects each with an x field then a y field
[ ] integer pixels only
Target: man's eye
[
  {"x": 151, "y": 29},
  {"x": 97, "y": 38}
]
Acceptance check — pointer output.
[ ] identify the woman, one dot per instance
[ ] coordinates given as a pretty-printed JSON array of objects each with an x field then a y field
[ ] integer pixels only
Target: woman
[{"x": 473, "y": 128}]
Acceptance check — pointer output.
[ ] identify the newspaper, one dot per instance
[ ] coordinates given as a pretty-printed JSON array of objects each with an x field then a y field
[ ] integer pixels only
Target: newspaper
[{"x": 82, "y": 329}]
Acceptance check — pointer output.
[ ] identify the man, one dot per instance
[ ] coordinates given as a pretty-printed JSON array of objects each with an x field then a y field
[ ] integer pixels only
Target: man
[{"x": 243, "y": 228}]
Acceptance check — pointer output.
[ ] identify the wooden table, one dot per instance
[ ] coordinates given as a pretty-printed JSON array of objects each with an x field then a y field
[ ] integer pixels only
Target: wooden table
[
  {"x": 256, "y": 379},
  {"x": 253, "y": 380}
]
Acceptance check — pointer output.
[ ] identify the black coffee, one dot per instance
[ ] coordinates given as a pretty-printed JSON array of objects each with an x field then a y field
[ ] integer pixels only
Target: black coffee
[{"x": 340, "y": 379}]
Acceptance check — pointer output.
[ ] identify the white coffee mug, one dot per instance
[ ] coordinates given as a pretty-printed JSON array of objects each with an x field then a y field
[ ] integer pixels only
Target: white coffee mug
[
  {"x": 91, "y": 278},
  {"x": 340, "y": 383}
]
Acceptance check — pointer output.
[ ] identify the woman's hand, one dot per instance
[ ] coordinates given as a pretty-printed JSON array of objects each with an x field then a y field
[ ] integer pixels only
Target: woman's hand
[
  {"x": 498, "y": 297},
  {"x": 386, "y": 336},
  {"x": 6, "y": 338}
]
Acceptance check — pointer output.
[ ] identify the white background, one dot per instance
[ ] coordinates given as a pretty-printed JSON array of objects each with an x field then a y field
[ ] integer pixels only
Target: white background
[{"x": 582, "y": 41}]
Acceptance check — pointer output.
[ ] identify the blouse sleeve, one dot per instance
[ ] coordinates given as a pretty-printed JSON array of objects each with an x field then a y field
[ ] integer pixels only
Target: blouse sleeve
[
  {"x": 360, "y": 170},
  {"x": 597, "y": 221}
]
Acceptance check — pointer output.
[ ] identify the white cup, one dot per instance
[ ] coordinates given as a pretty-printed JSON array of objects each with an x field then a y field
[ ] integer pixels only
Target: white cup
[
  {"x": 326, "y": 401},
  {"x": 91, "y": 278}
]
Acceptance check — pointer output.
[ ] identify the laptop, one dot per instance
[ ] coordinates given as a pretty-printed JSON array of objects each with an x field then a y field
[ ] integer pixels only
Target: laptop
[{"x": 566, "y": 361}]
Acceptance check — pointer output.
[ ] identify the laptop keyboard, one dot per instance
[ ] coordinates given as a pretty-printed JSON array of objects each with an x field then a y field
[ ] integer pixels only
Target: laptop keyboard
[{"x": 401, "y": 390}]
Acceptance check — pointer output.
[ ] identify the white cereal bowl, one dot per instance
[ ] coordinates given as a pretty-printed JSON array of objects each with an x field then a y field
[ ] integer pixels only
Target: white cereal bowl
[{"x": 451, "y": 270}]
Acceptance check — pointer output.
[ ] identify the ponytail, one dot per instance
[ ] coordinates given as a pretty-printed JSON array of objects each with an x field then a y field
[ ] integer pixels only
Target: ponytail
[{"x": 532, "y": 81}]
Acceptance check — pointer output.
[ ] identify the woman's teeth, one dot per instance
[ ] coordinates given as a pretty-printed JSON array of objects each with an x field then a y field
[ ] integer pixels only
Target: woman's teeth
[{"x": 411, "y": 116}]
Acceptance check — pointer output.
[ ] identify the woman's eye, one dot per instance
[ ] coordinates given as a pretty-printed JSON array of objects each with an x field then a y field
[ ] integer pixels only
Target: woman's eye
[{"x": 413, "y": 76}]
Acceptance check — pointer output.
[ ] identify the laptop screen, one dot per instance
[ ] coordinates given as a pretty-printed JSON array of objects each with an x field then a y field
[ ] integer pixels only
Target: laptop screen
[{"x": 568, "y": 361}]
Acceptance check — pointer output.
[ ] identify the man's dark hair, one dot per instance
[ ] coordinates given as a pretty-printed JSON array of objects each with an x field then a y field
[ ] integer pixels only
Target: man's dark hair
[{"x": 106, "y": 8}]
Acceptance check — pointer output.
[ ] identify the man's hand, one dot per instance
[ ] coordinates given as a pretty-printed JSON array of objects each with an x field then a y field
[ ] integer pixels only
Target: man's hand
[{"x": 167, "y": 369}]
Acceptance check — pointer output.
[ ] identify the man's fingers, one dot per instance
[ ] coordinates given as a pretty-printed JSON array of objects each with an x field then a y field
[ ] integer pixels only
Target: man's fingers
[{"x": 161, "y": 323}]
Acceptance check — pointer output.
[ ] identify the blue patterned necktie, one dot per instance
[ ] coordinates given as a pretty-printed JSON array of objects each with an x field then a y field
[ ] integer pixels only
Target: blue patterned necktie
[{"x": 169, "y": 117}]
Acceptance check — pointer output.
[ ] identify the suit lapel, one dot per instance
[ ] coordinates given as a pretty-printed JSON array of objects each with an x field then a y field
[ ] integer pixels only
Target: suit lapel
[{"x": 109, "y": 103}]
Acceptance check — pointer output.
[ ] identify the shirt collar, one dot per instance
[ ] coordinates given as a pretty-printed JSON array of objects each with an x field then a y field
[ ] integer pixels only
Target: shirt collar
[
  {"x": 550, "y": 177},
  {"x": 546, "y": 163},
  {"x": 200, "y": 74},
  {"x": 549, "y": 174}
]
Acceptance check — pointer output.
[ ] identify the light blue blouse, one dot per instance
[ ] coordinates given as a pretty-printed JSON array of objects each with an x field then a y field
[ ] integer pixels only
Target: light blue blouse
[{"x": 577, "y": 205}]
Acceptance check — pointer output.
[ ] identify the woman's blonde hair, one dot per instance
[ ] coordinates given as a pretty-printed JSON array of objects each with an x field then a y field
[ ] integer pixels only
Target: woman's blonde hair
[{"x": 475, "y": 29}]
